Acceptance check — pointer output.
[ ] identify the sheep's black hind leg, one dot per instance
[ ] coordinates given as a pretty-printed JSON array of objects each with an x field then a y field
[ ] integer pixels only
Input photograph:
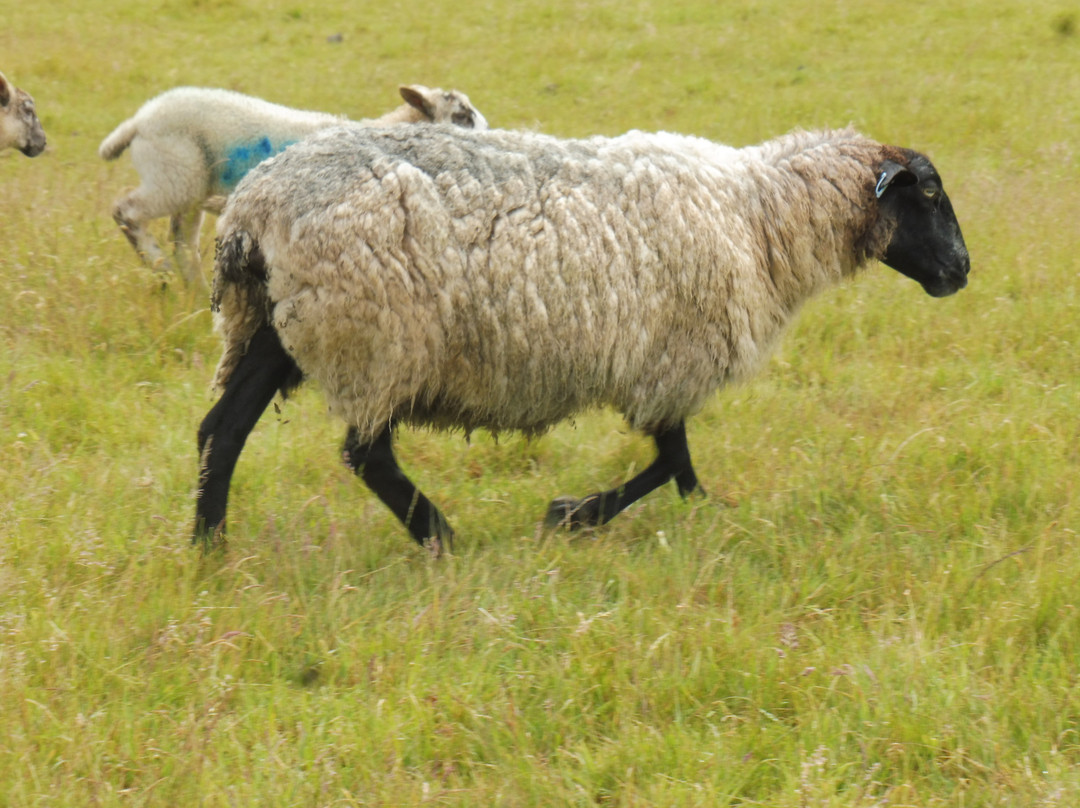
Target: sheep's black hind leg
[
  {"x": 376, "y": 465},
  {"x": 672, "y": 462},
  {"x": 264, "y": 369}
]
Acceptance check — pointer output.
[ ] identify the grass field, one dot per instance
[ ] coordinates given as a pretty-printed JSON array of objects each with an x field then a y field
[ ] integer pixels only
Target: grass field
[{"x": 876, "y": 605}]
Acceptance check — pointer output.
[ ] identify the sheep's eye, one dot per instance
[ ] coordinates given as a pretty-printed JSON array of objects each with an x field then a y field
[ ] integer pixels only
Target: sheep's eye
[{"x": 930, "y": 191}]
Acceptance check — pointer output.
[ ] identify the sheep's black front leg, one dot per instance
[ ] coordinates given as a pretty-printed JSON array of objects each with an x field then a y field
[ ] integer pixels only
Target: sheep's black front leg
[
  {"x": 376, "y": 465},
  {"x": 672, "y": 462},
  {"x": 264, "y": 369}
]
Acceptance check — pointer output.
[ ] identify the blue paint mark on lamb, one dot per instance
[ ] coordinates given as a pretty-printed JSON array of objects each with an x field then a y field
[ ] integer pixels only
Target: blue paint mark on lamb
[{"x": 239, "y": 160}]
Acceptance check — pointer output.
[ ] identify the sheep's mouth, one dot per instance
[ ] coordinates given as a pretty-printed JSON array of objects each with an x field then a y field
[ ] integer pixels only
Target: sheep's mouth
[
  {"x": 951, "y": 276},
  {"x": 33, "y": 149},
  {"x": 946, "y": 285}
]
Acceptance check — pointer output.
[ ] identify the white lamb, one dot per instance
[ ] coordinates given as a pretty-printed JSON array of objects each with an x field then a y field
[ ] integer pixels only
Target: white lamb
[
  {"x": 507, "y": 280},
  {"x": 192, "y": 145},
  {"x": 19, "y": 125}
]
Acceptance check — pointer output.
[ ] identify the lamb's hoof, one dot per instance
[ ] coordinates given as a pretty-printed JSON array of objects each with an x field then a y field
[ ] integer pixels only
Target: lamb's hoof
[{"x": 571, "y": 513}]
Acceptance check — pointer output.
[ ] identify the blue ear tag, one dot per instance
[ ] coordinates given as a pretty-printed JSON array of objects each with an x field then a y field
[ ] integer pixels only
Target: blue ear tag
[{"x": 882, "y": 184}]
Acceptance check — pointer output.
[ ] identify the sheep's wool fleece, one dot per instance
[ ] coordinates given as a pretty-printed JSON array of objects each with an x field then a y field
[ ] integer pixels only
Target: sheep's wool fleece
[{"x": 507, "y": 280}]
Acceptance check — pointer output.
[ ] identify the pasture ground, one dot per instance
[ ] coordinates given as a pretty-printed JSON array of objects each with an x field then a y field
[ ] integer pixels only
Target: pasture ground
[{"x": 876, "y": 605}]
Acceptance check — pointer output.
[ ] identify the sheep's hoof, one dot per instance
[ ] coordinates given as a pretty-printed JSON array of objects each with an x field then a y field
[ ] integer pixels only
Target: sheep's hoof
[
  {"x": 209, "y": 541},
  {"x": 438, "y": 545},
  {"x": 440, "y": 538},
  {"x": 570, "y": 513}
]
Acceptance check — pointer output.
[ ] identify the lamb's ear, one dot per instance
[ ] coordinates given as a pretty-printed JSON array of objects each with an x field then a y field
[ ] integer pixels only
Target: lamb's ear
[
  {"x": 5, "y": 91},
  {"x": 893, "y": 174},
  {"x": 416, "y": 95}
]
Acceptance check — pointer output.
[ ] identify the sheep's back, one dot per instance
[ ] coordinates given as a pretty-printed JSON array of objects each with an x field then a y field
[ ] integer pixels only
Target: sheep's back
[{"x": 505, "y": 280}]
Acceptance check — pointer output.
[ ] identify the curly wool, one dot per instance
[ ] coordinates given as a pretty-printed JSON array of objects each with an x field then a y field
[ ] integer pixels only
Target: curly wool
[{"x": 508, "y": 280}]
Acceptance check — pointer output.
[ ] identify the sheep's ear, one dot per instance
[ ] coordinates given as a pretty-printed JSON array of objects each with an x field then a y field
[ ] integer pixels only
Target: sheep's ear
[
  {"x": 5, "y": 91},
  {"x": 893, "y": 174},
  {"x": 416, "y": 95}
]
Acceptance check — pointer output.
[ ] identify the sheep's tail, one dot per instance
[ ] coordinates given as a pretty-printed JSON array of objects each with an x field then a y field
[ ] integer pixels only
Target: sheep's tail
[
  {"x": 239, "y": 300},
  {"x": 118, "y": 140}
]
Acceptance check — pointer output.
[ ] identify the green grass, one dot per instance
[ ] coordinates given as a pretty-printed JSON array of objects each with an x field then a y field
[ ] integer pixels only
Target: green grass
[{"x": 876, "y": 605}]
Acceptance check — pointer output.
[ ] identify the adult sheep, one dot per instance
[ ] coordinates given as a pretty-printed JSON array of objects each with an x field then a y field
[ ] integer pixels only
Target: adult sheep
[
  {"x": 507, "y": 280},
  {"x": 192, "y": 145},
  {"x": 19, "y": 125}
]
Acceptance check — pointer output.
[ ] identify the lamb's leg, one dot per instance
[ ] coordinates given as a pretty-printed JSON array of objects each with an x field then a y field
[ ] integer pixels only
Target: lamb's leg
[
  {"x": 263, "y": 370},
  {"x": 376, "y": 465},
  {"x": 174, "y": 176},
  {"x": 133, "y": 226},
  {"x": 184, "y": 228},
  {"x": 672, "y": 462}
]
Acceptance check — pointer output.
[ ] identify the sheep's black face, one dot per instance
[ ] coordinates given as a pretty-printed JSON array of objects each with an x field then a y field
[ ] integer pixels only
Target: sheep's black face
[{"x": 926, "y": 244}]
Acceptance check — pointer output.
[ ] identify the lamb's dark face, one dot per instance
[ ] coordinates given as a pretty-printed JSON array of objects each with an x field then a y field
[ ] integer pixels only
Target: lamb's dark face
[{"x": 926, "y": 244}]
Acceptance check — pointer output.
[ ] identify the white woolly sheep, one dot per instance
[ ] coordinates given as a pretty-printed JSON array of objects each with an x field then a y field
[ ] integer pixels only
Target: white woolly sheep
[
  {"x": 19, "y": 125},
  {"x": 507, "y": 280},
  {"x": 192, "y": 145}
]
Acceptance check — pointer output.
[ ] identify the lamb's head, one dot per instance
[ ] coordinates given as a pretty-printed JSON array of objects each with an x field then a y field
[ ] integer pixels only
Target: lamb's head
[
  {"x": 443, "y": 106},
  {"x": 19, "y": 124},
  {"x": 925, "y": 242}
]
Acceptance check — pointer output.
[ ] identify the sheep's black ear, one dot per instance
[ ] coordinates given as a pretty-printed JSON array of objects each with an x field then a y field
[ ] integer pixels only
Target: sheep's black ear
[
  {"x": 893, "y": 174},
  {"x": 5, "y": 91}
]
